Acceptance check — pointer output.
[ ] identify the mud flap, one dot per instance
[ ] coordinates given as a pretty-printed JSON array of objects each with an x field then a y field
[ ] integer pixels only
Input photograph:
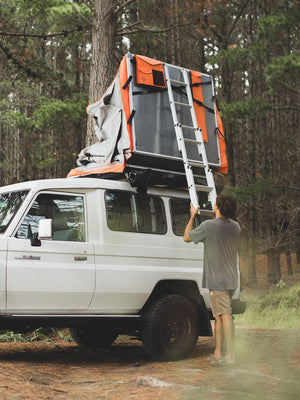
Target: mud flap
[{"x": 238, "y": 306}]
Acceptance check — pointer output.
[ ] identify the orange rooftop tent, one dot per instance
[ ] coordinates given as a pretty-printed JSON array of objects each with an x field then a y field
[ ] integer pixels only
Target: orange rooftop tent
[{"x": 136, "y": 131}]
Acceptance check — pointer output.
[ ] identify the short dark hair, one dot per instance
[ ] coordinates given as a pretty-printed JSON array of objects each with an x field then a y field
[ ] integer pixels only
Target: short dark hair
[{"x": 227, "y": 205}]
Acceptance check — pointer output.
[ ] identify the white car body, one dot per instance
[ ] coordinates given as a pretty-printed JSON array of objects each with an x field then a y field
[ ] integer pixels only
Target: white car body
[{"x": 108, "y": 274}]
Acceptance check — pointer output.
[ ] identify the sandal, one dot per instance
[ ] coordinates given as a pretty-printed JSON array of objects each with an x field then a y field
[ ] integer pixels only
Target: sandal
[{"x": 215, "y": 361}]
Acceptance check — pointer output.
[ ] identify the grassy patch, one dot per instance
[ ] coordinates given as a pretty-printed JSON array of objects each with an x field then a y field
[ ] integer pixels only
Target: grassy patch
[
  {"x": 279, "y": 308},
  {"x": 40, "y": 334}
]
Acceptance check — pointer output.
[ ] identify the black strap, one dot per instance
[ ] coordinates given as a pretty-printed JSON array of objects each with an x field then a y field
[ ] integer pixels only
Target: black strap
[
  {"x": 155, "y": 90},
  {"x": 200, "y": 83},
  {"x": 127, "y": 82},
  {"x": 131, "y": 117},
  {"x": 221, "y": 133},
  {"x": 203, "y": 105}
]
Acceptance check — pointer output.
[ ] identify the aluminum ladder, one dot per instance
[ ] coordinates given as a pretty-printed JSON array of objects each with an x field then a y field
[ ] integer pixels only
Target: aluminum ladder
[{"x": 193, "y": 188}]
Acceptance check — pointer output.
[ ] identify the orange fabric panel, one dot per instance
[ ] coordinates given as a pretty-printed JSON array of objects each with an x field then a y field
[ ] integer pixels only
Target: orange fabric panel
[
  {"x": 149, "y": 72},
  {"x": 199, "y": 110},
  {"x": 123, "y": 77},
  {"x": 222, "y": 144},
  {"x": 119, "y": 168}
]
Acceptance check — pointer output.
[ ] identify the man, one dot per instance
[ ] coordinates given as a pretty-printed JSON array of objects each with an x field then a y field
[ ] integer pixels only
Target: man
[{"x": 220, "y": 273}]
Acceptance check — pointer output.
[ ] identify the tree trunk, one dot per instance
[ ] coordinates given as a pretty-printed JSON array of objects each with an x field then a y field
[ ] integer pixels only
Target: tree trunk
[
  {"x": 289, "y": 263},
  {"x": 274, "y": 273},
  {"x": 104, "y": 62}
]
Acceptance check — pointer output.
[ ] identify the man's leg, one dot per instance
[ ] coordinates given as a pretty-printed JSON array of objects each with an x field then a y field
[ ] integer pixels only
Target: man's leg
[
  {"x": 218, "y": 326},
  {"x": 228, "y": 331},
  {"x": 218, "y": 337},
  {"x": 224, "y": 328}
]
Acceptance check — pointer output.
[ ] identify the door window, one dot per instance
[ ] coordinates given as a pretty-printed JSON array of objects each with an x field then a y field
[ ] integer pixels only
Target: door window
[
  {"x": 132, "y": 212},
  {"x": 180, "y": 214},
  {"x": 9, "y": 205},
  {"x": 66, "y": 212}
]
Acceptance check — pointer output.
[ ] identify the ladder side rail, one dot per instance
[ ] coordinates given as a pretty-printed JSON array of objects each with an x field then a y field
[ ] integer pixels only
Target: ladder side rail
[
  {"x": 201, "y": 146},
  {"x": 216, "y": 121},
  {"x": 180, "y": 142}
]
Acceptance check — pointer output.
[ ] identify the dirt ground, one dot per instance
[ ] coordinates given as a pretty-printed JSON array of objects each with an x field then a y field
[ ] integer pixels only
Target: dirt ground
[{"x": 267, "y": 368}]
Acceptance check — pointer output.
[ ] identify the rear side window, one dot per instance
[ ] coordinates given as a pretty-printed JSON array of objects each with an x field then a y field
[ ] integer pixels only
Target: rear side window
[
  {"x": 180, "y": 214},
  {"x": 133, "y": 212}
]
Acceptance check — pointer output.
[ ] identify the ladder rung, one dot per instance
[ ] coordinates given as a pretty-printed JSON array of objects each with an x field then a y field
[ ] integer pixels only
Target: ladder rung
[
  {"x": 209, "y": 213},
  {"x": 178, "y": 103},
  {"x": 179, "y": 83},
  {"x": 196, "y": 164},
  {"x": 192, "y": 141},
  {"x": 188, "y": 127},
  {"x": 202, "y": 188}
]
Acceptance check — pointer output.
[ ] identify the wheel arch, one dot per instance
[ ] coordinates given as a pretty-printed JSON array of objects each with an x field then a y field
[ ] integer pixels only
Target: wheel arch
[{"x": 185, "y": 288}]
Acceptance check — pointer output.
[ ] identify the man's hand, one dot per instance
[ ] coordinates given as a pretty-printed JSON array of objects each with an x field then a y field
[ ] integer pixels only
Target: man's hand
[
  {"x": 194, "y": 211},
  {"x": 189, "y": 227}
]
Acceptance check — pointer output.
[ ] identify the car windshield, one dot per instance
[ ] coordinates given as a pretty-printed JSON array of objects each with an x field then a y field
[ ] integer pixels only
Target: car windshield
[{"x": 9, "y": 205}]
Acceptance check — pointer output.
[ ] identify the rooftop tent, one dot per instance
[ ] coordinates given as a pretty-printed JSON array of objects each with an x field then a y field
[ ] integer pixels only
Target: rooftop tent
[{"x": 135, "y": 127}]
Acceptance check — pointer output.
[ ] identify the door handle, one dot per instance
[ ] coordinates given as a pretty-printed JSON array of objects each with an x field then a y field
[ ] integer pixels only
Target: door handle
[{"x": 80, "y": 258}]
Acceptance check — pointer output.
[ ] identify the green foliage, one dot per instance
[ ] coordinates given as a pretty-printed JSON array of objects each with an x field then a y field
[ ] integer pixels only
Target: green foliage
[
  {"x": 12, "y": 119},
  {"x": 45, "y": 335},
  {"x": 280, "y": 66},
  {"x": 241, "y": 110},
  {"x": 68, "y": 12},
  {"x": 251, "y": 189},
  {"x": 51, "y": 112},
  {"x": 9, "y": 336},
  {"x": 280, "y": 20},
  {"x": 276, "y": 309},
  {"x": 235, "y": 56}
]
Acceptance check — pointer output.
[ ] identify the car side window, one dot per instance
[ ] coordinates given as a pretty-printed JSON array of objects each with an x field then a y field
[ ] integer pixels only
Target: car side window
[
  {"x": 133, "y": 212},
  {"x": 180, "y": 214},
  {"x": 66, "y": 212}
]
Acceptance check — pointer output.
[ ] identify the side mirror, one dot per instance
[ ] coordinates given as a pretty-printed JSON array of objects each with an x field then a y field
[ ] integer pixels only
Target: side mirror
[
  {"x": 45, "y": 229},
  {"x": 45, "y": 232}
]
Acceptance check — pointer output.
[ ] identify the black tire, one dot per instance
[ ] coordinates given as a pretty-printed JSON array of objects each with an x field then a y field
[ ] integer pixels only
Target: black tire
[
  {"x": 93, "y": 338},
  {"x": 170, "y": 328}
]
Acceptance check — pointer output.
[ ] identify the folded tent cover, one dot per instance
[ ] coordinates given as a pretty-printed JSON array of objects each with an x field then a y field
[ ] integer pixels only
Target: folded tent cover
[{"x": 134, "y": 125}]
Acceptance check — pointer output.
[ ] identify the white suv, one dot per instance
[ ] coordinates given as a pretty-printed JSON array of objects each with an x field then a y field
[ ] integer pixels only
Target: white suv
[{"x": 99, "y": 258}]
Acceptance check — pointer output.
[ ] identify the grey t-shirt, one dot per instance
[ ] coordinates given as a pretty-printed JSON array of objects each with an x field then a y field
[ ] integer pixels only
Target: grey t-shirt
[{"x": 220, "y": 237}]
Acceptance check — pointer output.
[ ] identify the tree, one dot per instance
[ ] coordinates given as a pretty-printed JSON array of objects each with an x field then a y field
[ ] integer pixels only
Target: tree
[
  {"x": 104, "y": 61},
  {"x": 269, "y": 110},
  {"x": 44, "y": 86}
]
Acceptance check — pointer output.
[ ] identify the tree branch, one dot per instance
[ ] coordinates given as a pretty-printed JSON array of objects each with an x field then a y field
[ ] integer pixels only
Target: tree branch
[
  {"x": 121, "y": 32},
  {"x": 80, "y": 14},
  {"x": 117, "y": 7},
  {"x": 237, "y": 19},
  {"x": 129, "y": 26},
  {"x": 44, "y": 36},
  {"x": 286, "y": 187},
  {"x": 9, "y": 56}
]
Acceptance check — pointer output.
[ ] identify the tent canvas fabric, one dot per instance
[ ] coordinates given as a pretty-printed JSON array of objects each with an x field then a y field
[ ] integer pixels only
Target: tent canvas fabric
[{"x": 134, "y": 125}]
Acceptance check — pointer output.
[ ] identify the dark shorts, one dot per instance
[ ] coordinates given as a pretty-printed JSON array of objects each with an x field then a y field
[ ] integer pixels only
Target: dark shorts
[{"x": 220, "y": 301}]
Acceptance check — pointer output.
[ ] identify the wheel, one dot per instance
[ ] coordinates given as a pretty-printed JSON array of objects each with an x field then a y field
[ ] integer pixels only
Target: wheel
[
  {"x": 170, "y": 328},
  {"x": 93, "y": 338}
]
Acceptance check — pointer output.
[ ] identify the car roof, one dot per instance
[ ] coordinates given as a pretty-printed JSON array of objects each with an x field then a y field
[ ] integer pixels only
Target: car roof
[{"x": 73, "y": 184}]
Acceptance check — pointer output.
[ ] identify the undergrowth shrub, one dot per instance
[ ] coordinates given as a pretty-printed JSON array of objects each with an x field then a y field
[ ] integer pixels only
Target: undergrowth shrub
[
  {"x": 277, "y": 308},
  {"x": 41, "y": 334}
]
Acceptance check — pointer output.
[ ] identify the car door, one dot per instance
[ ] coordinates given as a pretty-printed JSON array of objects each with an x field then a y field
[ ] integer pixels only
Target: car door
[{"x": 58, "y": 275}]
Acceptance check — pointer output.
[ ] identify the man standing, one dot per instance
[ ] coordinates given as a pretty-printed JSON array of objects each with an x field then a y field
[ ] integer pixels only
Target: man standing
[{"x": 220, "y": 273}]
